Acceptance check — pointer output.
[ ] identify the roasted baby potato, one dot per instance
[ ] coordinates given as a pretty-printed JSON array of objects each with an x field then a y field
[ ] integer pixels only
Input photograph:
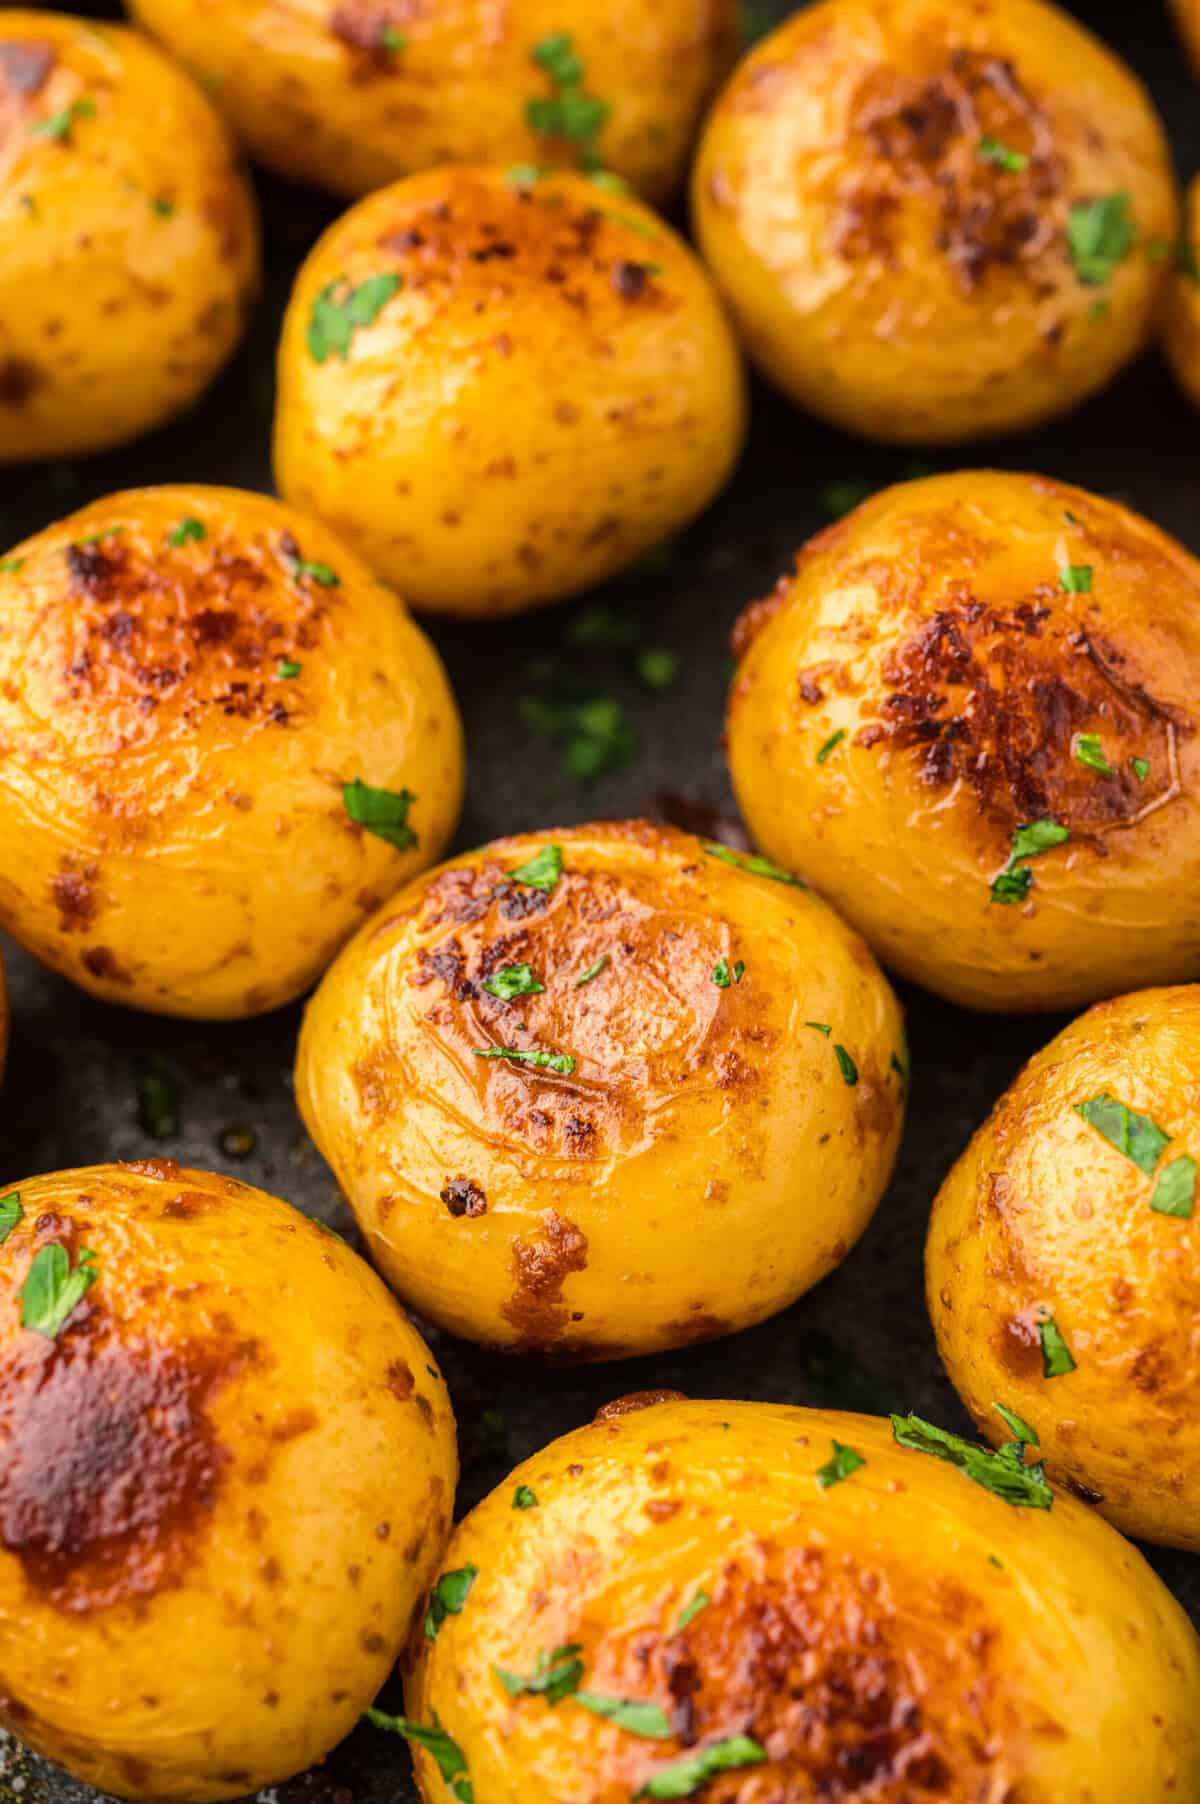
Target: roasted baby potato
[
  {"x": 935, "y": 221},
  {"x": 1187, "y": 18},
  {"x": 130, "y": 237},
  {"x": 965, "y": 721},
  {"x": 354, "y": 95},
  {"x": 222, "y": 742},
  {"x": 228, "y": 1475},
  {"x": 769, "y": 1603},
  {"x": 605, "y": 1091},
  {"x": 1181, "y": 329},
  {"x": 1063, "y": 1263},
  {"x": 504, "y": 390}
]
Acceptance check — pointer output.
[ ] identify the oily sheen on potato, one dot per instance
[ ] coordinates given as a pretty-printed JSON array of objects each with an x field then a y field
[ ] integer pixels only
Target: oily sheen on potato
[
  {"x": 1181, "y": 324},
  {"x": 130, "y": 237},
  {"x": 503, "y": 389},
  {"x": 745, "y": 1601},
  {"x": 1063, "y": 1256},
  {"x": 228, "y": 1475},
  {"x": 936, "y": 219},
  {"x": 606, "y": 1090},
  {"x": 965, "y": 721},
  {"x": 356, "y": 94},
  {"x": 222, "y": 742}
]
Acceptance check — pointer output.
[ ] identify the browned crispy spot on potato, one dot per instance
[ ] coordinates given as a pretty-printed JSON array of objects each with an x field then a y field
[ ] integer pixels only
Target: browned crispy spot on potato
[
  {"x": 635, "y": 1400},
  {"x": 1019, "y": 1344},
  {"x": 20, "y": 379},
  {"x": 102, "y": 962},
  {"x": 540, "y": 1269},
  {"x": 75, "y": 898},
  {"x": 463, "y": 1196}
]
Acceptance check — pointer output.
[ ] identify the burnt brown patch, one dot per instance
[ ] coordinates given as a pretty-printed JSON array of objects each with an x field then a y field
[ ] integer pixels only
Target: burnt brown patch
[
  {"x": 20, "y": 379},
  {"x": 1019, "y": 1344},
  {"x": 540, "y": 1269},
  {"x": 628, "y": 1405},
  {"x": 102, "y": 963},
  {"x": 74, "y": 896},
  {"x": 463, "y": 1196},
  {"x": 399, "y": 1380}
]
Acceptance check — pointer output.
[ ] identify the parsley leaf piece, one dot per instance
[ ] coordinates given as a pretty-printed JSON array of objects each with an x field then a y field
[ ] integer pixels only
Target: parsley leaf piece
[
  {"x": 683, "y": 1778},
  {"x": 1099, "y": 234},
  {"x": 301, "y": 567},
  {"x": 844, "y": 1461},
  {"x": 657, "y": 667},
  {"x": 753, "y": 863},
  {"x": 1003, "y": 1473},
  {"x": 562, "y": 1062},
  {"x": 841, "y": 498},
  {"x": 1076, "y": 579},
  {"x": 650, "y": 1721},
  {"x": 723, "y": 976},
  {"x": 834, "y": 740},
  {"x": 1141, "y": 768},
  {"x": 288, "y": 668},
  {"x": 822, "y": 1027},
  {"x": 393, "y": 39},
  {"x": 383, "y": 812},
  {"x": 186, "y": 529},
  {"x": 899, "y": 1064},
  {"x": 1057, "y": 1358},
  {"x": 1088, "y": 750},
  {"x": 59, "y": 125},
  {"x": 339, "y": 310},
  {"x": 603, "y": 627},
  {"x": 993, "y": 151},
  {"x": 449, "y": 1757},
  {"x": 1174, "y": 1194},
  {"x": 52, "y": 1290},
  {"x": 846, "y": 1065},
  {"x": 1016, "y": 1426},
  {"x": 11, "y": 1213},
  {"x": 690, "y": 1611},
  {"x": 158, "y": 1098},
  {"x": 570, "y": 111},
  {"x": 513, "y": 981},
  {"x": 11, "y": 565},
  {"x": 162, "y": 206},
  {"x": 542, "y": 871},
  {"x": 555, "y": 1676},
  {"x": 524, "y": 1498},
  {"x": 1139, "y": 1138},
  {"x": 592, "y": 971},
  {"x": 448, "y": 1597},
  {"x": 522, "y": 175},
  {"x": 1016, "y": 880}
]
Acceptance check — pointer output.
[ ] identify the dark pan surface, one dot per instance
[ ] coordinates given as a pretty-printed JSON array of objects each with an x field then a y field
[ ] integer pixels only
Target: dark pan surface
[{"x": 861, "y": 1340}]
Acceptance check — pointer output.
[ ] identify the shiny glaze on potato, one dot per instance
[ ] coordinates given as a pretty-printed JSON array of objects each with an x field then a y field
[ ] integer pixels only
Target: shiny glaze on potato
[
  {"x": 226, "y": 1478},
  {"x": 130, "y": 237},
  {"x": 716, "y": 1125},
  {"x": 930, "y": 217},
  {"x": 189, "y": 678},
  {"x": 993, "y": 652},
  {"x": 546, "y": 388},
  {"x": 897, "y": 1634}
]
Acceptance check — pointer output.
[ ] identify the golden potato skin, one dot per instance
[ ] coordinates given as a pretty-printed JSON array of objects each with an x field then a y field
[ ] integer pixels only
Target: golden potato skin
[
  {"x": 884, "y": 271},
  {"x": 931, "y": 628},
  {"x": 903, "y": 1633},
  {"x": 316, "y": 93},
  {"x": 173, "y": 834},
  {"x": 1042, "y": 1216},
  {"x": 224, "y": 1486},
  {"x": 1186, "y": 14},
  {"x": 553, "y": 389},
  {"x": 1181, "y": 323},
  {"x": 131, "y": 255},
  {"x": 651, "y": 1197}
]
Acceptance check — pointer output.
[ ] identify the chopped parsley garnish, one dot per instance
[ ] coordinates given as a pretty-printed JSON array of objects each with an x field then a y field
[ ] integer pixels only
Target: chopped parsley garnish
[
  {"x": 513, "y": 981},
  {"x": 1057, "y": 1359},
  {"x": 993, "y": 151},
  {"x": 1004, "y": 1473},
  {"x": 186, "y": 529},
  {"x": 1016, "y": 879},
  {"x": 657, "y": 667},
  {"x": 1088, "y": 750},
  {"x": 288, "y": 668},
  {"x": 158, "y": 1098},
  {"x": 900, "y": 1065},
  {"x": 162, "y": 206},
  {"x": 1141, "y": 768},
  {"x": 822, "y": 1027},
  {"x": 562, "y": 1062},
  {"x": 835, "y": 739},
  {"x": 756, "y": 18},
  {"x": 59, "y": 125},
  {"x": 301, "y": 567},
  {"x": 592, "y": 971},
  {"x": 1174, "y": 1194},
  {"x": 683, "y": 1778},
  {"x": 723, "y": 976},
  {"x": 448, "y": 1597},
  {"x": 11, "y": 1213},
  {"x": 844, "y": 1461},
  {"x": 1139, "y": 1138},
  {"x": 841, "y": 498},
  {"x": 690, "y": 1611},
  {"x": 52, "y": 1290},
  {"x": 605, "y": 629},
  {"x": 846, "y": 1065},
  {"x": 555, "y": 1676},
  {"x": 449, "y": 1757},
  {"x": 383, "y": 812},
  {"x": 392, "y": 38},
  {"x": 650, "y": 1721},
  {"x": 591, "y": 728},
  {"x": 339, "y": 310},
  {"x": 522, "y": 175},
  {"x": 524, "y": 1498},
  {"x": 1016, "y": 1425},
  {"x": 542, "y": 871},
  {"x": 1076, "y": 579},
  {"x": 1099, "y": 234},
  {"x": 569, "y": 112},
  {"x": 753, "y": 863},
  {"x": 11, "y": 565}
]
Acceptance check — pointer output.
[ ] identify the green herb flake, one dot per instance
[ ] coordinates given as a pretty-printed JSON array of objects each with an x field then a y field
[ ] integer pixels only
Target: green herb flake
[
  {"x": 162, "y": 206},
  {"x": 302, "y": 568},
  {"x": 592, "y": 972},
  {"x": 685, "y": 1777},
  {"x": 1004, "y": 1473},
  {"x": 846, "y": 1065},
  {"x": 603, "y": 628},
  {"x": 1174, "y": 1194},
  {"x": 1139, "y": 1138},
  {"x": 11, "y": 1213},
  {"x": 997, "y": 1563},
  {"x": 650, "y": 1721},
  {"x": 524, "y": 1498},
  {"x": 9, "y": 566},
  {"x": 1057, "y": 1358},
  {"x": 844, "y": 1461},
  {"x": 657, "y": 667},
  {"x": 1087, "y": 749},
  {"x": 993, "y": 151},
  {"x": 158, "y": 1098},
  {"x": 690, "y": 1611},
  {"x": 288, "y": 668},
  {"x": 522, "y": 175},
  {"x": 542, "y": 871},
  {"x": 569, "y": 112},
  {"x": 450, "y": 1760},
  {"x": 1076, "y": 579},
  {"x": 383, "y": 812},
  {"x": 186, "y": 530},
  {"x": 59, "y": 125},
  {"x": 752, "y": 863},
  {"x": 562, "y": 1062},
  {"x": 52, "y": 1290},
  {"x": 834, "y": 740},
  {"x": 723, "y": 976},
  {"x": 393, "y": 39},
  {"x": 900, "y": 1064},
  {"x": 339, "y": 311},
  {"x": 1141, "y": 768},
  {"x": 841, "y": 498},
  {"x": 513, "y": 981},
  {"x": 555, "y": 1676},
  {"x": 1016, "y": 879},
  {"x": 1099, "y": 234},
  {"x": 448, "y": 1597},
  {"x": 822, "y": 1027},
  {"x": 1016, "y": 1426}
]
